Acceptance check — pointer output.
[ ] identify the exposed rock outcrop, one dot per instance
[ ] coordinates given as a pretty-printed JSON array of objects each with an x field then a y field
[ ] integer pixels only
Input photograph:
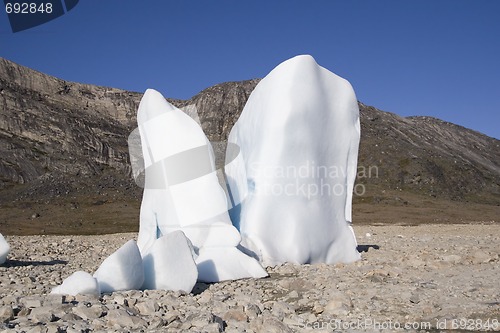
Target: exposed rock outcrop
[{"x": 61, "y": 139}]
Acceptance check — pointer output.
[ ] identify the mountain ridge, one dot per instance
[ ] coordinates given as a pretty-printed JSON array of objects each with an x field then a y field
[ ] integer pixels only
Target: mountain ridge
[{"x": 65, "y": 144}]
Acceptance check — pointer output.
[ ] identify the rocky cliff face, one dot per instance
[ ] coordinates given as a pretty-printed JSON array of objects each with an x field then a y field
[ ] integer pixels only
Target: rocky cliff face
[
  {"x": 220, "y": 106},
  {"x": 66, "y": 140},
  {"x": 50, "y": 125}
]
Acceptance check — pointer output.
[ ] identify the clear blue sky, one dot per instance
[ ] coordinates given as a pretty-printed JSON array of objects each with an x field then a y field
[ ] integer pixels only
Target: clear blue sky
[{"x": 428, "y": 57}]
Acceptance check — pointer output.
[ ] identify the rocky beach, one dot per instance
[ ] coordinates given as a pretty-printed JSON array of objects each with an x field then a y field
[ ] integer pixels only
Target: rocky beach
[{"x": 410, "y": 278}]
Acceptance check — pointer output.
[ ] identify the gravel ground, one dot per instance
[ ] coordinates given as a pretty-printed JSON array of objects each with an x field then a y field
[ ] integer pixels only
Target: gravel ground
[{"x": 422, "y": 278}]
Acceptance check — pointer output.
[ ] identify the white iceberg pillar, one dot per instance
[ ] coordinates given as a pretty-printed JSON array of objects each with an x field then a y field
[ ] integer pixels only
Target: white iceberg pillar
[
  {"x": 182, "y": 192},
  {"x": 291, "y": 176}
]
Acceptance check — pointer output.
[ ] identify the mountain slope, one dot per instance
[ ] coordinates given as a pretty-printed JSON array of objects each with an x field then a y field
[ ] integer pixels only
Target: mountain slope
[
  {"x": 431, "y": 157},
  {"x": 64, "y": 164}
]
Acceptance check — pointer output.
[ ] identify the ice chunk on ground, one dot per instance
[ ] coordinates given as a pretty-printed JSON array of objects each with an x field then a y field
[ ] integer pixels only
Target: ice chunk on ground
[
  {"x": 122, "y": 270},
  {"x": 220, "y": 264},
  {"x": 182, "y": 191},
  {"x": 78, "y": 283},
  {"x": 291, "y": 179},
  {"x": 4, "y": 249},
  {"x": 169, "y": 264}
]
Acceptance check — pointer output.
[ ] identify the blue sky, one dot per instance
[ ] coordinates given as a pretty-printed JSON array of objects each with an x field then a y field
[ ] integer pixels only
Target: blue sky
[{"x": 438, "y": 58}]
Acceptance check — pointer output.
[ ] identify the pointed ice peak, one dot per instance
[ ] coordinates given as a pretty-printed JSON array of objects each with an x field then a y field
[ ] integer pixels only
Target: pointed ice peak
[
  {"x": 303, "y": 62},
  {"x": 152, "y": 104},
  {"x": 303, "y": 68}
]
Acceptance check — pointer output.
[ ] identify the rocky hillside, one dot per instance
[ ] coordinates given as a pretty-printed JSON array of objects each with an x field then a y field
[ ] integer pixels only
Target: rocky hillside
[
  {"x": 430, "y": 156},
  {"x": 64, "y": 144}
]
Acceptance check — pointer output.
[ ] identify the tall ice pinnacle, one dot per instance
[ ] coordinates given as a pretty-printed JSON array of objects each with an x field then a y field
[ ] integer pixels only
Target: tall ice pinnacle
[
  {"x": 291, "y": 178},
  {"x": 182, "y": 192}
]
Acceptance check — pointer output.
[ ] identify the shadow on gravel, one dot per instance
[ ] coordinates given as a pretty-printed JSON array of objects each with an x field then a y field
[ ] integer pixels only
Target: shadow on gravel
[
  {"x": 365, "y": 248},
  {"x": 22, "y": 263},
  {"x": 200, "y": 287}
]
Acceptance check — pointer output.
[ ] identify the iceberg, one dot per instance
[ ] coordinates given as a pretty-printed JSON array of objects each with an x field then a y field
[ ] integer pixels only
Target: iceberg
[
  {"x": 224, "y": 263},
  {"x": 169, "y": 264},
  {"x": 78, "y": 283},
  {"x": 291, "y": 164},
  {"x": 4, "y": 249},
  {"x": 182, "y": 192},
  {"x": 122, "y": 270}
]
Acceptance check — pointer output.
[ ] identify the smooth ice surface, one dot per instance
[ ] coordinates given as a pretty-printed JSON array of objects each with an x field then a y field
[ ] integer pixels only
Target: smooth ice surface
[
  {"x": 122, "y": 270},
  {"x": 182, "y": 191},
  {"x": 4, "y": 249},
  {"x": 78, "y": 283},
  {"x": 220, "y": 264},
  {"x": 292, "y": 180},
  {"x": 169, "y": 264}
]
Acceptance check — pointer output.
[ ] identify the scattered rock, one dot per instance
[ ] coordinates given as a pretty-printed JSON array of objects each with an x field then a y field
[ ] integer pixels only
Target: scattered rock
[
  {"x": 479, "y": 257},
  {"x": 384, "y": 285},
  {"x": 121, "y": 318},
  {"x": 271, "y": 325},
  {"x": 452, "y": 258},
  {"x": 42, "y": 314},
  {"x": 415, "y": 298},
  {"x": 6, "y": 313},
  {"x": 147, "y": 308},
  {"x": 32, "y": 302},
  {"x": 88, "y": 312},
  {"x": 339, "y": 305},
  {"x": 237, "y": 315}
]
